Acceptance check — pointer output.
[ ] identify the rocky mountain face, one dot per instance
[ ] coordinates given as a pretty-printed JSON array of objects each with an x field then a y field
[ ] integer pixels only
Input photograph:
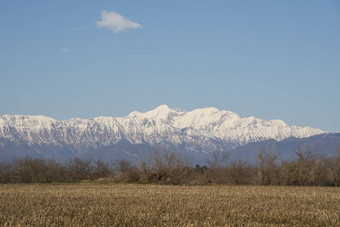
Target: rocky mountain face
[{"x": 200, "y": 131}]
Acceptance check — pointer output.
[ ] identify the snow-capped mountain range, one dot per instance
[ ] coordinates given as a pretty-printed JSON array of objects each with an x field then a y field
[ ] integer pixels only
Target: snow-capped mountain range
[{"x": 201, "y": 130}]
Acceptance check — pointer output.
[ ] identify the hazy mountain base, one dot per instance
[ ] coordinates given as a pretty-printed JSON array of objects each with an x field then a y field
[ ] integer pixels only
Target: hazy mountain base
[{"x": 325, "y": 144}]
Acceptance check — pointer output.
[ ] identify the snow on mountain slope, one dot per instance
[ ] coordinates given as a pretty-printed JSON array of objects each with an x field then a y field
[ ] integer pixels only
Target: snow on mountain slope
[{"x": 205, "y": 129}]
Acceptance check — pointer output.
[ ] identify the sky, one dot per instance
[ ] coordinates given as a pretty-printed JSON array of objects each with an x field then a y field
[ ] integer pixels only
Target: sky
[{"x": 269, "y": 59}]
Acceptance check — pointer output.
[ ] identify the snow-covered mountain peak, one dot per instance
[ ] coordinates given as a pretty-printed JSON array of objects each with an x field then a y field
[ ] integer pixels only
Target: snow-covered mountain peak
[
  {"x": 161, "y": 108},
  {"x": 279, "y": 122},
  {"x": 206, "y": 110},
  {"x": 27, "y": 121},
  {"x": 205, "y": 118},
  {"x": 27, "y": 118},
  {"x": 162, "y": 112},
  {"x": 135, "y": 114},
  {"x": 205, "y": 129},
  {"x": 104, "y": 119}
]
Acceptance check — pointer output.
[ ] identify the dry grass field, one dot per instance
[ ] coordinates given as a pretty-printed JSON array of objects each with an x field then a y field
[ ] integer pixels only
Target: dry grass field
[{"x": 156, "y": 205}]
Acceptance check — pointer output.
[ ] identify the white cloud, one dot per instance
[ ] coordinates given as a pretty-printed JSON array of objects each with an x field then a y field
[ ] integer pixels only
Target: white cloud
[
  {"x": 116, "y": 22},
  {"x": 65, "y": 50}
]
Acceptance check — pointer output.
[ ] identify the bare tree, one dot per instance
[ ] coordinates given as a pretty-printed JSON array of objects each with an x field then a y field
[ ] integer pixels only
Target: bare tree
[
  {"x": 126, "y": 172},
  {"x": 56, "y": 172},
  {"x": 216, "y": 165},
  {"x": 218, "y": 159},
  {"x": 266, "y": 166},
  {"x": 101, "y": 169},
  {"x": 307, "y": 158},
  {"x": 318, "y": 172},
  {"x": 29, "y": 170},
  {"x": 122, "y": 166},
  {"x": 5, "y": 172},
  {"x": 79, "y": 169},
  {"x": 333, "y": 168},
  {"x": 239, "y": 172},
  {"x": 167, "y": 168}
]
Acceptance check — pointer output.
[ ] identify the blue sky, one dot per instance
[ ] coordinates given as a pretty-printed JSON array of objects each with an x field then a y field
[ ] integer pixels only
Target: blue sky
[{"x": 269, "y": 59}]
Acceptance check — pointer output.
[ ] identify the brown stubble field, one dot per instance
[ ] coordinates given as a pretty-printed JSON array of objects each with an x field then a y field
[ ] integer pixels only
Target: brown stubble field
[{"x": 165, "y": 205}]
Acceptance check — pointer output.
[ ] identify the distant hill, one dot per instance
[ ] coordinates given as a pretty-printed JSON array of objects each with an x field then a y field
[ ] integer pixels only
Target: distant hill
[{"x": 325, "y": 144}]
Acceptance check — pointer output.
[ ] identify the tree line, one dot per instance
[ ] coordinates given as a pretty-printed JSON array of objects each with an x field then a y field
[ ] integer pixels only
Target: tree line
[{"x": 308, "y": 169}]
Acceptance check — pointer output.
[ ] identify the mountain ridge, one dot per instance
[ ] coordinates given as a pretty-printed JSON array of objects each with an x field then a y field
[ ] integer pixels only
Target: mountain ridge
[
  {"x": 206, "y": 120},
  {"x": 200, "y": 130}
]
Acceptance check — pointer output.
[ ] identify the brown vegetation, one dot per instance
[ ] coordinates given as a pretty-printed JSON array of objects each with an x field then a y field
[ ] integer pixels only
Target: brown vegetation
[
  {"x": 309, "y": 169},
  {"x": 167, "y": 205}
]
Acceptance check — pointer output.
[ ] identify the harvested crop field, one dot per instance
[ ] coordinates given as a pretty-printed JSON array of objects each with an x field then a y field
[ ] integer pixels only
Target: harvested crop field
[{"x": 157, "y": 205}]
